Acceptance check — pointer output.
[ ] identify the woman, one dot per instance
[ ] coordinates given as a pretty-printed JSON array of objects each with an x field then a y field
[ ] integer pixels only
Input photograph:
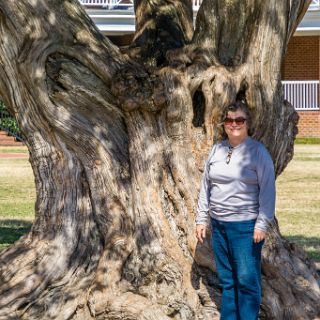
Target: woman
[{"x": 238, "y": 194}]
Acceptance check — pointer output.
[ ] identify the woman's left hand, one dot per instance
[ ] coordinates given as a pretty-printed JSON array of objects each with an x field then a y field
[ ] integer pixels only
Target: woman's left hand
[{"x": 258, "y": 235}]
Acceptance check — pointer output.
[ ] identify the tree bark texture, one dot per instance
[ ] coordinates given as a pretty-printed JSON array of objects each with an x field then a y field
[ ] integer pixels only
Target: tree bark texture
[{"x": 117, "y": 143}]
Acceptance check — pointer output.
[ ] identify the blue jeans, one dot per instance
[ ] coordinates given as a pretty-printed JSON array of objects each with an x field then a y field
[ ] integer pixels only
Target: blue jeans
[{"x": 238, "y": 262}]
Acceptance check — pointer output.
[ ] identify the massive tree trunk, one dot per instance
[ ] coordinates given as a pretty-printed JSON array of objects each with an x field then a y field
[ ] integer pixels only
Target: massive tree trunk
[{"x": 117, "y": 143}]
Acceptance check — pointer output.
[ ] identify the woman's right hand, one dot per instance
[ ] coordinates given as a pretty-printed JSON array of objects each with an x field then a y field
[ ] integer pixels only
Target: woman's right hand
[{"x": 200, "y": 232}]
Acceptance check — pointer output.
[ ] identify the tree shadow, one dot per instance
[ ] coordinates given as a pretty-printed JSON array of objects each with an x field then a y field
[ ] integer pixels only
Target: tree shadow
[
  {"x": 204, "y": 278},
  {"x": 311, "y": 245},
  {"x": 11, "y": 230},
  {"x": 206, "y": 283}
]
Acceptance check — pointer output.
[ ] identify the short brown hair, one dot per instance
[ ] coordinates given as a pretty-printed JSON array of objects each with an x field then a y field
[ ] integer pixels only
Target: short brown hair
[{"x": 233, "y": 107}]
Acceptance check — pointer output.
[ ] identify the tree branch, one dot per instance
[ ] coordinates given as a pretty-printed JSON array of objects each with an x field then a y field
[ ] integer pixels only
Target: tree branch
[
  {"x": 161, "y": 25},
  {"x": 225, "y": 29}
]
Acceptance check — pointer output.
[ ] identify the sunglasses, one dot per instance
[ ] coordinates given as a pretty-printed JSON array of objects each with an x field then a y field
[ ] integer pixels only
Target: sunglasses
[{"x": 238, "y": 121}]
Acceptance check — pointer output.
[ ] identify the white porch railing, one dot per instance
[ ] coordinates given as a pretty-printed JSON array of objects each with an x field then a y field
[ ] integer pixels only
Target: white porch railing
[
  {"x": 111, "y": 4},
  {"x": 303, "y": 95}
]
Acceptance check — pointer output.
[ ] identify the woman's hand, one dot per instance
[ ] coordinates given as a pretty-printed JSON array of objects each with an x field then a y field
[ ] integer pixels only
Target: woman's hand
[
  {"x": 200, "y": 232},
  {"x": 258, "y": 235}
]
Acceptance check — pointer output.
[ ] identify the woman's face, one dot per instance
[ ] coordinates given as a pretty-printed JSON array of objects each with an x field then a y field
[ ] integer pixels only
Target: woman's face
[{"x": 236, "y": 129}]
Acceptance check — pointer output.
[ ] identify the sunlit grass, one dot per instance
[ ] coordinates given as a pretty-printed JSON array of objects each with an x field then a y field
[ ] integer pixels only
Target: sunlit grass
[
  {"x": 17, "y": 197},
  {"x": 298, "y": 199},
  {"x": 17, "y": 190},
  {"x": 13, "y": 149}
]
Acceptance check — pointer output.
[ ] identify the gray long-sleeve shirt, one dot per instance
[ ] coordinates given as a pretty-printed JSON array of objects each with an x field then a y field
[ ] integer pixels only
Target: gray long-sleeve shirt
[{"x": 242, "y": 190}]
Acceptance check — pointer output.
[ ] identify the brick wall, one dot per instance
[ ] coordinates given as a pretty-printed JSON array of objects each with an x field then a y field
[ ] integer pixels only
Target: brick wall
[
  {"x": 123, "y": 40},
  {"x": 309, "y": 124},
  {"x": 302, "y": 62}
]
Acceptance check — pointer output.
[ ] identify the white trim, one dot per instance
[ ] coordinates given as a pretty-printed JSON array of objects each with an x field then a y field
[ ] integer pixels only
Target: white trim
[
  {"x": 307, "y": 109},
  {"x": 300, "y": 81},
  {"x": 310, "y": 24},
  {"x": 109, "y": 28},
  {"x": 307, "y": 33}
]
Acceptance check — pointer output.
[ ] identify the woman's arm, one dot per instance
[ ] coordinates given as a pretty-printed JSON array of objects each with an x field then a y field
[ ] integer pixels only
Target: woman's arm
[
  {"x": 267, "y": 189},
  {"x": 204, "y": 201}
]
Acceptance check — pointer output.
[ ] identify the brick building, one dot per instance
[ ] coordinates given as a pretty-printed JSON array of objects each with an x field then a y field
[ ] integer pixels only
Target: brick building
[{"x": 301, "y": 72}]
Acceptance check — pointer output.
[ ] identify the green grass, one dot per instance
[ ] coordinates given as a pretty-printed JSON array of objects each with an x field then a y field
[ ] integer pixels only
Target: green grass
[
  {"x": 12, "y": 230},
  {"x": 17, "y": 198},
  {"x": 307, "y": 141},
  {"x": 298, "y": 199},
  {"x": 14, "y": 149}
]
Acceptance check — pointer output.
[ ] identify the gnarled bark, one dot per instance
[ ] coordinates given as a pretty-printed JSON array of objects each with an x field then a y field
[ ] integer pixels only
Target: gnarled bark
[{"x": 117, "y": 149}]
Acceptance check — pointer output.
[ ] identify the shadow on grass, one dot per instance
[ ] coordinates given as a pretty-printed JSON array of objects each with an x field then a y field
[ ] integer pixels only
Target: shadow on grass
[
  {"x": 310, "y": 244},
  {"x": 12, "y": 230}
]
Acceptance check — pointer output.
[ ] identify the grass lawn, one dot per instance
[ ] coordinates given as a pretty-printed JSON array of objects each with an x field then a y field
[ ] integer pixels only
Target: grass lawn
[
  {"x": 17, "y": 197},
  {"x": 298, "y": 198},
  {"x": 13, "y": 149}
]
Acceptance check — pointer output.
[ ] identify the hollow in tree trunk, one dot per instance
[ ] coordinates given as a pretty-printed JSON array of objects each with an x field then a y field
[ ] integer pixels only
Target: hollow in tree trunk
[{"x": 117, "y": 142}]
